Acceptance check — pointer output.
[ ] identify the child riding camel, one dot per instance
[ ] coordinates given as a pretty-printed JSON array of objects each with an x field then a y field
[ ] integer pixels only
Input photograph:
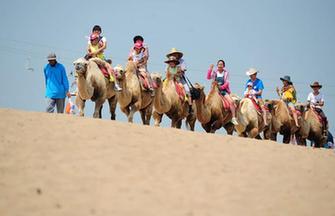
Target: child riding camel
[
  {"x": 250, "y": 92},
  {"x": 139, "y": 54},
  {"x": 288, "y": 95}
]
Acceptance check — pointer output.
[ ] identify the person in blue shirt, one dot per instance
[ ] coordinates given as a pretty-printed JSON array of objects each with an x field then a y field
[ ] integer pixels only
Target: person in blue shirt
[
  {"x": 57, "y": 85},
  {"x": 258, "y": 88}
]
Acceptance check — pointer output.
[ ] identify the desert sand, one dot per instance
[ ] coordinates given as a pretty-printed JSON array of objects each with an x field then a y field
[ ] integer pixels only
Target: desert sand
[{"x": 53, "y": 164}]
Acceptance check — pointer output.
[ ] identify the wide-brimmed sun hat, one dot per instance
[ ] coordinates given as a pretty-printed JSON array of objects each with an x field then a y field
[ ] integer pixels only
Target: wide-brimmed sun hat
[
  {"x": 286, "y": 78},
  {"x": 316, "y": 84},
  {"x": 51, "y": 56},
  {"x": 172, "y": 59},
  {"x": 251, "y": 71},
  {"x": 175, "y": 51}
]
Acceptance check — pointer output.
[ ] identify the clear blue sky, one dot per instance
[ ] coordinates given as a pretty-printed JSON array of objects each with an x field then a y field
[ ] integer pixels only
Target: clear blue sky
[{"x": 279, "y": 37}]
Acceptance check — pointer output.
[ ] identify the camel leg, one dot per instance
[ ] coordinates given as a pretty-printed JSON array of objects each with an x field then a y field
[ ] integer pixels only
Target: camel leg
[
  {"x": 100, "y": 111},
  {"x": 286, "y": 138},
  {"x": 148, "y": 114},
  {"x": 158, "y": 118},
  {"x": 229, "y": 127},
  {"x": 98, "y": 107},
  {"x": 178, "y": 124},
  {"x": 142, "y": 112},
  {"x": 125, "y": 110},
  {"x": 134, "y": 108},
  {"x": 207, "y": 127},
  {"x": 190, "y": 121},
  {"x": 253, "y": 133},
  {"x": 273, "y": 136},
  {"x": 81, "y": 105},
  {"x": 216, "y": 125},
  {"x": 258, "y": 137},
  {"x": 112, "y": 106}
]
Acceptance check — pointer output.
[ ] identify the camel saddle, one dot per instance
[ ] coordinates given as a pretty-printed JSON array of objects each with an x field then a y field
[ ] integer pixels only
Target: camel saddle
[
  {"x": 104, "y": 71},
  {"x": 225, "y": 102},
  {"x": 180, "y": 91},
  {"x": 322, "y": 119},
  {"x": 142, "y": 75}
]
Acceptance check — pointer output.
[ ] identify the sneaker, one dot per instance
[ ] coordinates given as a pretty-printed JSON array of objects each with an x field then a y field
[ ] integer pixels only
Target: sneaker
[
  {"x": 234, "y": 121},
  {"x": 117, "y": 87}
]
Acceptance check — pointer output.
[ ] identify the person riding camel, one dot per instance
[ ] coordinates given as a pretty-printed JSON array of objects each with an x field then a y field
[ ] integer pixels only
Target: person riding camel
[
  {"x": 178, "y": 55},
  {"x": 139, "y": 53},
  {"x": 316, "y": 101},
  {"x": 93, "y": 52},
  {"x": 96, "y": 43},
  {"x": 288, "y": 94},
  {"x": 250, "y": 92},
  {"x": 258, "y": 87},
  {"x": 221, "y": 76}
]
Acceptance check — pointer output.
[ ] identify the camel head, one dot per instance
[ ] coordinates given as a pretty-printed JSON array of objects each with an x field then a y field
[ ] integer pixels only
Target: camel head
[
  {"x": 119, "y": 72},
  {"x": 156, "y": 79},
  {"x": 201, "y": 89},
  {"x": 301, "y": 107},
  {"x": 80, "y": 66}
]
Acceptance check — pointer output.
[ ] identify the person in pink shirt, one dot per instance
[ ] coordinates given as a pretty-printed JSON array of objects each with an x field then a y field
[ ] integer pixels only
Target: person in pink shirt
[{"x": 221, "y": 75}]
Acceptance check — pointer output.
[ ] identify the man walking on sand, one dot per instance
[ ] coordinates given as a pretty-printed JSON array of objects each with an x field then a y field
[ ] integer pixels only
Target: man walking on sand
[{"x": 57, "y": 85}]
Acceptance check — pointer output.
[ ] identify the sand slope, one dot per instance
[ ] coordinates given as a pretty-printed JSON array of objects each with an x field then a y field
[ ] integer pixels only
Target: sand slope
[{"x": 64, "y": 165}]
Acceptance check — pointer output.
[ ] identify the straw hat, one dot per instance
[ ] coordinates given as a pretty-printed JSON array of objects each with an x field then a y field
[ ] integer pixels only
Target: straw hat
[
  {"x": 251, "y": 71},
  {"x": 316, "y": 84},
  {"x": 286, "y": 78},
  {"x": 172, "y": 59},
  {"x": 51, "y": 56},
  {"x": 175, "y": 51}
]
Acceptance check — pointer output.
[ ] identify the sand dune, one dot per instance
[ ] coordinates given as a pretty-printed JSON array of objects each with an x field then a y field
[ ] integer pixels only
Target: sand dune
[{"x": 64, "y": 165}]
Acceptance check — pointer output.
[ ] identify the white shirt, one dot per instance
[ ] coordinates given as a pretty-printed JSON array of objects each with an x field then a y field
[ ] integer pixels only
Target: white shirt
[{"x": 314, "y": 99}]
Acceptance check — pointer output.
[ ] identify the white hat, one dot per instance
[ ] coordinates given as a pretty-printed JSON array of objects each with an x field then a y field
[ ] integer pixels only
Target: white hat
[
  {"x": 51, "y": 56},
  {"x": 251, "y": 71}
]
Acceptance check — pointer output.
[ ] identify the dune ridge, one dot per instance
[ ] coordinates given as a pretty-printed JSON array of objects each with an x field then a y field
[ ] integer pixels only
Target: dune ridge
[{"x": 53, "y": 164}]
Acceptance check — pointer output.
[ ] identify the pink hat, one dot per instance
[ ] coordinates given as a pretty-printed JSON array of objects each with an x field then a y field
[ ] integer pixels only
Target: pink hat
[
  {"x": 94, "y": 36},
  {"x": 138, "y": 45}
]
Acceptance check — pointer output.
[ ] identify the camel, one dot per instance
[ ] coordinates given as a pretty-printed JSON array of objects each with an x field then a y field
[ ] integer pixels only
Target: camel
[
  {"x": 92, "y": 85},
  {"x": 250, "y": 121},
  {"x": 167, "y": 102},
  {"x": 282, "y": 121},
  {"x": 211, "y": 112},
  {"x": 311, "y": 128},
  {"x": 132, "y": 98}
]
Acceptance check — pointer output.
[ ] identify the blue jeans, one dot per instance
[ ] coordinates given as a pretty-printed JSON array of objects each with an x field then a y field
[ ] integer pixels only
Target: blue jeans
[{"x": 55, "y": 102}]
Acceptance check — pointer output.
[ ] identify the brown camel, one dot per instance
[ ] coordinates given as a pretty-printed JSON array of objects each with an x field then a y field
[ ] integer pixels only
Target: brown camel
[
  {"x": 167, "y": 102},
  {"x": 132, "y": 97},
  {"x": 211, "y": 112},
  {"x": 250, "y": 120},
  {"x": 94, "y": 86},
  {"x": 311, "y": 128},
  {"x": 282, "y": 121}
]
